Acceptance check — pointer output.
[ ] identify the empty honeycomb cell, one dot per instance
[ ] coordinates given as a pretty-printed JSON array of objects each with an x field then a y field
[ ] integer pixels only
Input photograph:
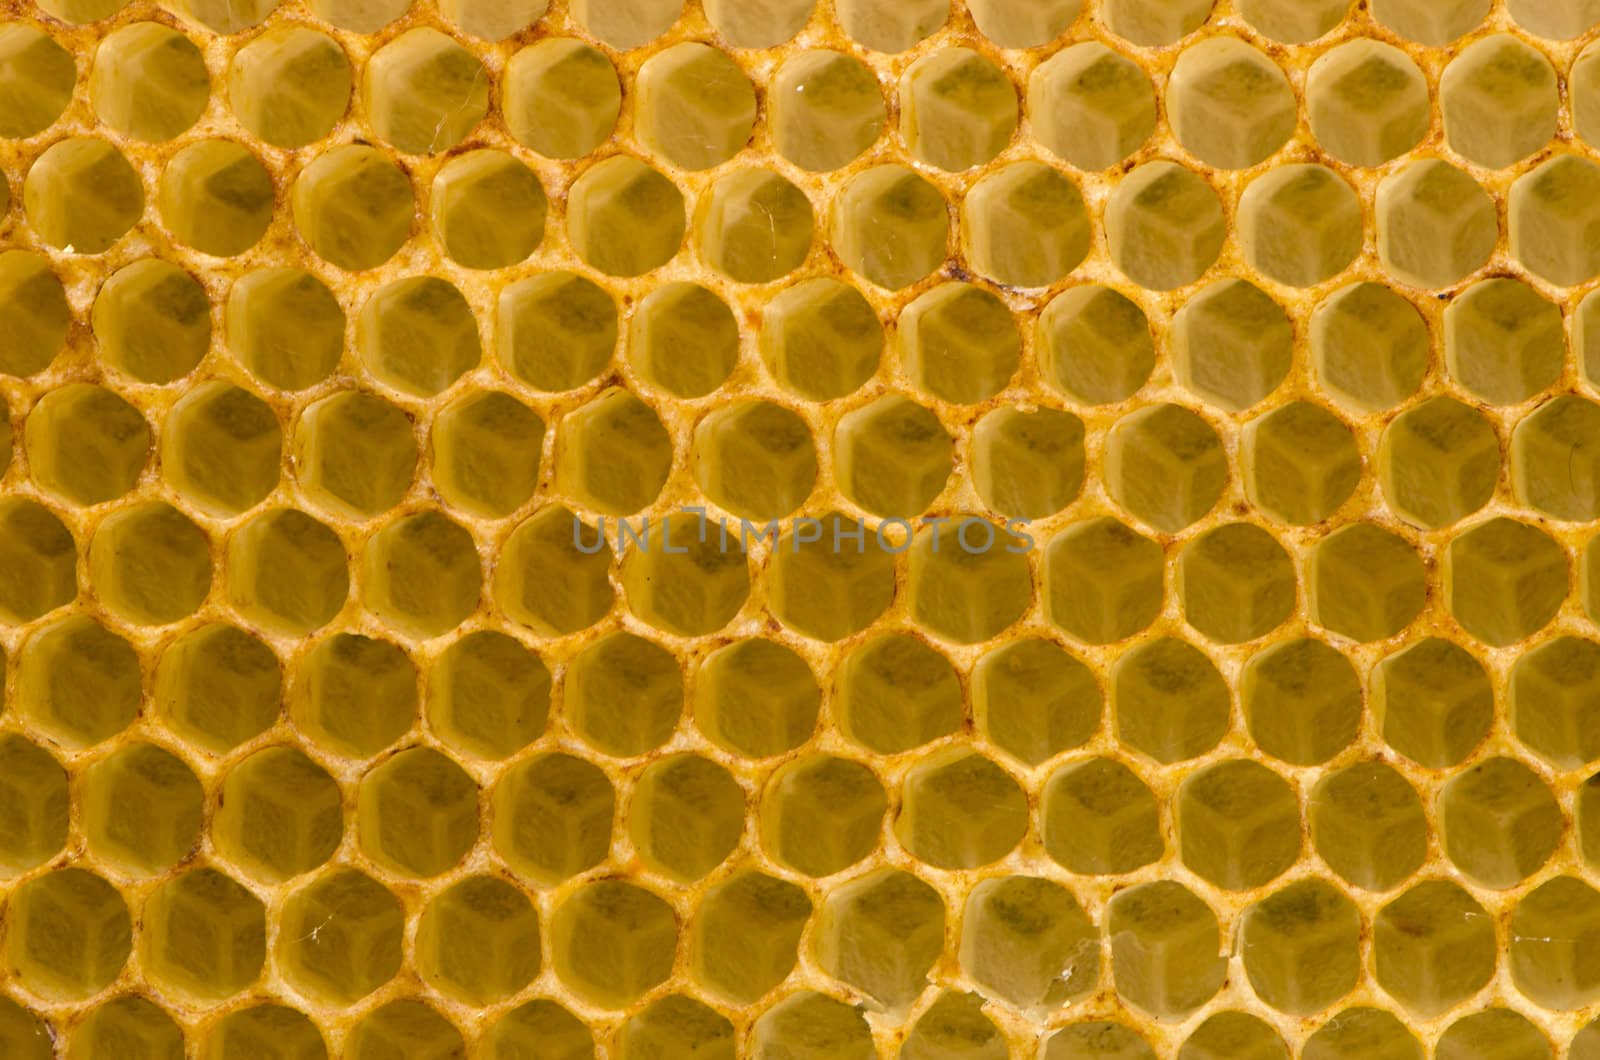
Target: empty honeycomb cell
[
  {"x": 880, "y": 933},
  {"x": 807, "y": 1025},
  {"x": 1365, "y": 583},
  {"x": 203, "y": 936},
  {"x": 488, "y": 209},
  {"x": 479, "y": 940},
  {"x": 1433, "y": 947},
  {"x": 221, "y": 448},
  {"x": 821, "y": 339},
  {"x": 892, "y": 457},
  {"x": 675, "y": 1025},
  {"x": 555, "y": 331},
  {"x": 285, "y": 326},
  {"x": 1498, "y": 821},
  {"x": 746, "y": 935},
  {"x": 1236, "y": 583},
  {"x": 1433, "y": 702},
  {"x": 552, "y": 817},
  {"x": 77, "y": 682},
  {"x": 756, "y": 698},
  {"x": 24, "y": 1035},
  {"x": 1097, "y": 1040},
  {"x": 1300, "y": 463},
  {"x": 548, "y": 576},
  {"x": 354, "y": 695},
  {"x": 612, "y": 941},
  {"x": 959, "y": 810},
  {"x": 1300, "y": 225},
  {"x": 280, "y": 815},
  {"x": 355, "y": 453},
  {"x": 1099, "y": 819},
  {"x": 1164, "y": 226},
  {"x": 824, "y": 109},
  {"x": 1583, "y": 86},
  {"x": 264, "y": 1032},
  {"x": 1028, "y": 941},
  {"x": 353, "y": 206},
  {"x": 1493, "y": 1032},
  {"x": 422, "y": 574},
  {"x": 1091, "y": 106},
  {"x": 820, "y": 814},
  {"x": 538, "y": 1028},
  {"x": 141, "y": 808},
  {"x": 216, "y": 197},
  {"x": 1165, "y": 465},
  {"x": 1229, "y": 104},
  {"x": 755, "y": 458},
  {"x": 1563, "y": 20},
  {"x": 686, "y": 816},
  {"x": 1094, "y": 344},
  {"x": 1165, "y": 949},
  {"x": 81, "y": 195},
  {"x": 405, "y": 1027},
  {"x": 39, "y": 76},
  {"x": 33, "y": 805},
  {"x": 1555, "y": 689},
  {"x": 488, "y": 695},
  {"x": 1367, "y": 823},
  {"x": 67, "y": 935},
  {"x": 493, "y": 19},
  {"x": 1499, "y": 101},
  {"x": 1231, "y": 344},
  {"x": 684, "y": 339},
  {"x": 763, "y": 24},
  {"x": 971, "y": 586},
  {"x": 1586, "y": 815},
  {"x": 1025, "y": 225},
  {"x": 1238, "y": 824},
  {"x": 38, "y": 561},
  {"x": 890, "y": 225},
  {"x": 1023, "y": 23},
  {"x": 33, "y": 311},
  {"x": 624, "y": 218},
  {"x": 129, "y": 1025},
  {"x": 625, "y": 24},
  {"x": 1301, "y": 700},
  {"x": 1589, "y": 577},
  {"x": 1369, "y": 347},
  {"x": 289, "y": 86},
  {"x": 1367, "y": 102},
  {"x": 1028, "y": 465},
  {"x": 1429, "y": 22},
  {"x": 954, "y": 1026},
  {"x": 418, "y": 813},
  {"x": 560, "y": 97},
  {"x": 148, "y": 82},
  {"x": 895, "y": 693},
  {"x": 485, "y": 449},
  {"x": 418, "y": 335},
  {"x": 1438, "y": 462},
  {"x": 1553, "y": 466},
  {"x": 1504, "y": 580},
  {"x": 423, "y": 92},
  {"x": 694, "y": 106},
  {"x": 1503, "y": 341},
  {"x": 1368, "y": 1033},
  {"x": 958, "y": 342},
  {"x": 693, "y": 588},
  {"x": 1551, "y": 216},
  {"x": 1233, "y": 1035},
  {"x": 754, "y": 226},
  {"x": 218, "y": 687},
  {"x": 957, "y": 109},
  {"x": 1302, "y": 946},
  {"x": 152, "y": 320},
  {"x": 824, "y": 590},
  {"x": 1551, "y": 950},
  {"x": 883, "y": 26},
  {"x": 80, "y": 12},
  {"x": 624, "y": 695},
  {"x": 1436, "y": 225},
  {"x": 1169, "y": 701},
  {"x": 339, "y": 937}
]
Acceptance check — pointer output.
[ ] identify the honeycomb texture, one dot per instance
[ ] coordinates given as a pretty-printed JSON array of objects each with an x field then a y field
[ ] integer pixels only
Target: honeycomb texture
[{"x": 844, "y": 530}]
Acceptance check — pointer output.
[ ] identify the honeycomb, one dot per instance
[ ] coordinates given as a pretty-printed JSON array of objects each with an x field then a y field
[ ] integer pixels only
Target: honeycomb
[{"x": 694, "y": 529}]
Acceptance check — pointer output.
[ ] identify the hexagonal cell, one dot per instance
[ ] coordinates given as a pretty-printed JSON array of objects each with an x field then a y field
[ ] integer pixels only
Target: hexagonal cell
[
  {"x": 218, "y": 687},
  {"x": 560, "y": 97},
  {"x": 1363, "y": 1033},
  {"x": 1168, "y": 699},
  {"x": 286, "y": 572},
  {"x": 954, "y": 1026},
  {"x": 1033, "y": 700},
  {"x": 39, "y": 75},
  {"x": 957, "y": 109},
  {"x": 77, "y": 682},
  {"x": 1367, "y": 102},
  {"x": 1231, "y": 344},
  {"x": 493, "y": 19},
  {"x": 1301, "y": 700},
  {"x": 203, "y": 936},
  {"x": 549, "y": 578},
  {"x": 216, "y": 197},
  {"x": 754, "y": 226},
  {"x": 79, "y": 12},
  {"x": 479, "y": 941},
  {"x": 1367, "y": 823},
  {"x": 488, "y": 209},
  {"x": 82, "y": 195},
  {"x": 1028, "y": 465},
  {"x": 624, "y": 695},
  {"x": 1550, "y": 214},
  {"x": 1091, "y": 106},
  {"x": 38, "y": 561},
  {"x": 422, "y": 574},
  {"x": 152, "y": 320},
  {"x": 1551, "y": 465},
  {"x": 675, "y": 1025},
  {"x": 552, "y": 817},
  {"x": 613, "y": 454},
  {"x": 555, "y": 331},
  {"x": 1589, "y": 578},
  {"x": 289, "y": 86},
  {"x": 488, "y": 695},
  {"x": 485, "y": 449},
  {"x": 959, "y": 810},
  {"x": 755, "y": 458},
  {"x": 971, "y": 588},
  {"x": 1164, "y": 226},
  {"x": 1236, "y": 583},
  {"x": 625, "y": 24},
  {"x": 33, "y": 310},
  {"x": 418, "y": 335},
  {"x": 1499, "y": 100},
  {"x": 68, "y": 934},
  {"x": 406, "y": 1027},
  {"x": 1436, "y": 225},
  {"x": 891, "y": 226},
  {"x": 1493, "y": 1032},
  {"x": 141, "y": 809},
  {"x": 756, "y": 698},
  {"x": 221, "y": 448},
  {"x": 1369, "y": 347},
  {"x": 423, "y": 92},
  {"x": 1165, "y": 949},
  {"x": 1433, "y": 947},
  {"x": 285, "y": 326},
  {"x": 1099, "y": 819},
  {"x": 1155, "y": 23},
  {"x": 1238, "y": 824},
  {"x": 339, "y": 937},
  {"x": 686, "y": 816},
  {"x": 1229, "y": 104},
  {"x": 33, "y": 805},
  {"x": 1438, "y": 462},
  {"x": 1583, "y": 79},
  {"x": 895, "y": 693},
  {"x": 1365, "y": 583},
  {"x": 824, "y": 109},
  {"x": 810, "y": 1026},
  {"x": 693, "y": 588},
  {"x": 881, "y": 933},
  {"x": 1503, "y": 341},
  {"x": 695, "y": 107},
  {"x": 148, "y": 82},
  {"x": 1555, "y": 692},
  {"x": 958, "y": 342},
  {"x": 1562, "y": 21},
  {"x": 820, "y": 814},
  {"x": 823, "y": 590},
  {"x": 353, "y": 206},
  {"x": 1429, "y": 22},
  {"x": 684, "y": 339},
  {"x": 889, "y": 27},
  {"x": 1504, "y": 580},
  {"x": 1095, "y": 1039},
  {"x": 1499, "y": 822},
  {"x": 1553, "y": 934},
  {"x": 1300, "y": 224},
  {"x": 612, "y": 942},
  {"x": 1300, "y": 463},
  {"x": 264, "y": 1032},
  {"x": 1165, "y": 465},
  {"x": 354, "y": 695},
  {"x": 280, "y": 815},
  {"x": 417, "y": 814},
  {"x": 538, "y": 1028},
  {"x": 1027, "y": 940},
  {"x": 129, "y": 1025},
  {"x": 1025, "y": 225},
  {"x": 746, "y": 935},
  {"x": 1233, "y": 1035},
  {"x": 624, "y": 218},
  {"x": 1302, "y": 946},
  {"x": 892, "y": 457},
  {"x": 820, "y": 339},
  {"x": 1094, "y": 344},
  {"x": 1433, "y": 702},
  {"x": 1586, "y": 814}
]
